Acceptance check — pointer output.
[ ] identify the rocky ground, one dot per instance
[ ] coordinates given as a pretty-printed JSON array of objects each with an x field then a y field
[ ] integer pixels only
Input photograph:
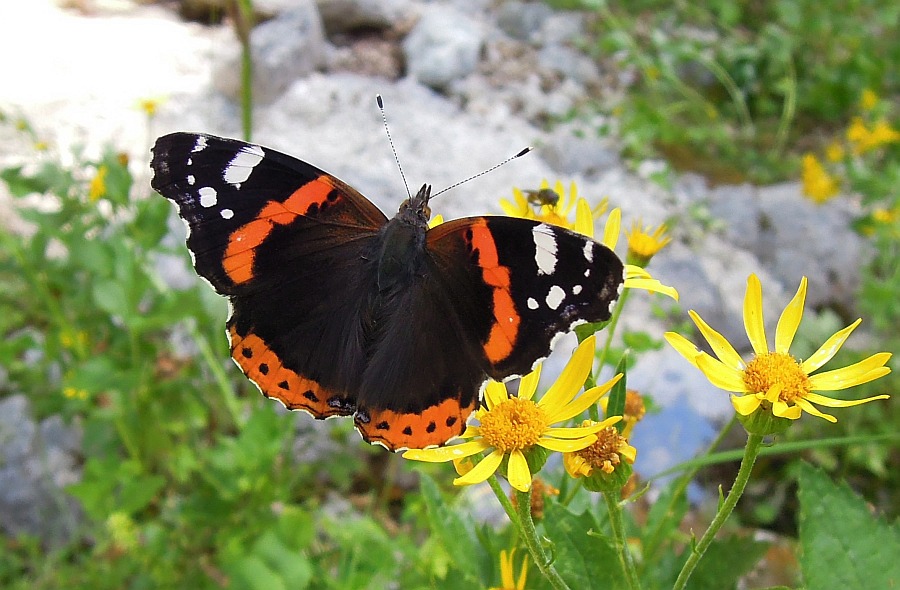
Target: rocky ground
[{"x": 466, "y": 83}]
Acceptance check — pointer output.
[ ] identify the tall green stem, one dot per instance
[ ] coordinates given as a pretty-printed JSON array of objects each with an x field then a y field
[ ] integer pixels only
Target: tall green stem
[
  {"x": 751, "y": 452},
  {"x": 521, "y": 516},
  {"x": 626, "y": 561}
]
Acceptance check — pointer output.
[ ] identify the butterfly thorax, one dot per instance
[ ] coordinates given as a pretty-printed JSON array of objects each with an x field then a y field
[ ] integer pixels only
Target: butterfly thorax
[{"x": 402, "y": 242}]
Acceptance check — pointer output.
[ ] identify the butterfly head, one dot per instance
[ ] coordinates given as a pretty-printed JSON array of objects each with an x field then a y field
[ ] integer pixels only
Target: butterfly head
[{"x": 415, "y": 210}]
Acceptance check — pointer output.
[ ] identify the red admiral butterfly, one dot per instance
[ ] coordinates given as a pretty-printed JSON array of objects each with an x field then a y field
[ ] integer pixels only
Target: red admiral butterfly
[{"x": 337, "y": 310}]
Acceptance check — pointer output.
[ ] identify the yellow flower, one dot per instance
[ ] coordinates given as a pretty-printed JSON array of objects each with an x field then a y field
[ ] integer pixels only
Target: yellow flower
[
  {"x": 635, "y": 276},
  {"x": 644, "y": 242},
  {"x": 818, "y": 185},
  {"x": 868, "y": 100},
  {"x": 635, "y": 410},
  {"x": 554, "y": 211},
  {"x": 98, "y": 184},
  {"x": 834, "y": 152},
  {"x": 507, "y": 572},
  {"x": 149, "y": 105},
  {"x": 511, "y": 426},
  {"x": 863, "y": 139},
  {"x": 774, "y": 380},
  {"x": 610, "y": 449}
]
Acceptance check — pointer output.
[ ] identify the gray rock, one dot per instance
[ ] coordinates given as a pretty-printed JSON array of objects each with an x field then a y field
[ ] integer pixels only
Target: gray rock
[
  {"x": 792, "y": 237},
  {"x": 569, "y": 154},
  {"x": 523, "y": 20},
  {"x": 340, "y": 16},
  {"x": 284, "y": 49},
  {"x": 38, "y": 461},
  {"x": 442, "y": 47},
  {"x": 570, "y": 64}
]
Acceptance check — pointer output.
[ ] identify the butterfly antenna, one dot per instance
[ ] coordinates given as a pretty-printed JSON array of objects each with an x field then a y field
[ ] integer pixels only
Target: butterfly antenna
[
  {"x": 391, "y": 140},
  {"x": 483, "y": 172}
]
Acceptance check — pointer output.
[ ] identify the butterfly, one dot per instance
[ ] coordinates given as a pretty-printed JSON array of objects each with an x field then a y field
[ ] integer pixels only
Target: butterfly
[{"x": 337, "y": 310}]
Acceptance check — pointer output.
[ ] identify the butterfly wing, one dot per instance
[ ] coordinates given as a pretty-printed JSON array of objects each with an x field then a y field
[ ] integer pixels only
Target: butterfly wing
[
  {"x": 516, "y": 283},
  {"x": 290, "y": 245}
]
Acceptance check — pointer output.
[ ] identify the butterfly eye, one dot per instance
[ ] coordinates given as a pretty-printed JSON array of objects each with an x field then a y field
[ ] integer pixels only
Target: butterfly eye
[{"x": 427, "y": 211}]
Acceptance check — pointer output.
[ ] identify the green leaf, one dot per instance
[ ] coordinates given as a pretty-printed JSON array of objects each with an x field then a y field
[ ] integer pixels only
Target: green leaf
[
  {"x": 616, "y": 405},
  {"x": 458, "y": 540},
  {"x": 253, "y": 573},
  {"x": 843, "y": 545},
  {"x": 584, "y": 558},
  {"x": 725, "y": 561}
]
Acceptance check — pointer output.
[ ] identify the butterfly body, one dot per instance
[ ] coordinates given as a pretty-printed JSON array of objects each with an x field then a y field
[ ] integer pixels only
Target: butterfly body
[{"x": 339, "y": 311}]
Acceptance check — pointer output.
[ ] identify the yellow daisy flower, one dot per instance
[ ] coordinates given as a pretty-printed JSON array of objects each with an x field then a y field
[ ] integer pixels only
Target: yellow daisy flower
[
  {"x": 609, "y": 450},
  {"x": 635, "y": 410},
  {"x": 775, "y": 380},
  {"x": 644, "y": 242},
  {"x": 97, "y": 187},
  {"x": 818, "y": 185},
  {"x": 555, "y": 211},
  {"x": 635, "y": 276},
  {"x": 507, "y": 572},
  {"x": 868, "y": 100},
  {"x": 509, "y": 427},
  {"x": 864, "y": 139}
]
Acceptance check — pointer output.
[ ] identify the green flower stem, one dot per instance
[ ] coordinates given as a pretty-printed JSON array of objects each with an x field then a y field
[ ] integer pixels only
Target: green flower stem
[
  {"x": 653, "y": 540},
  {"x": 751, "y": 452},
  {"x": 521, "y": 516},
  {"x": 626, "y": 562}
]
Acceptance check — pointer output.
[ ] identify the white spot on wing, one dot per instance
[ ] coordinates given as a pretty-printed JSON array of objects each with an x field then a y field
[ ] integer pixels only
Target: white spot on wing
[
  {"x": 200, "y": 145},
  {"x": 555, "y": 297},
  {"x": 544, "y": 249},
  {"x": 532, "y": 303},
  {"x": 227, "y": 213},
  {"x": 190, "y": 161},
  {"x": 243, "y": 163},
  {"x": 207, "y": 196},
  {"x": 191, "y": 180},
  {"x": 589, "y": 251},
  {"x": 576, "y": 289}
]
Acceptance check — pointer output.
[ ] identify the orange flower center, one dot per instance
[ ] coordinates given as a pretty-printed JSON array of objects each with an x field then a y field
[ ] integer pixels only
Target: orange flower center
[
  {"x": 513, "y": 424},
  {"x": 765, "y": 370},
  {"x": 604, "y": 453}
]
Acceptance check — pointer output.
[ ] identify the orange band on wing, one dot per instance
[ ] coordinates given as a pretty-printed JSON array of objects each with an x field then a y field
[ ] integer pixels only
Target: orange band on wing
[
  {"x": 506, "y": 318},
  {"x": 264, "y": 368},
  {"x": 242, "y": 243},
  {"x": 432, "y": 427}
]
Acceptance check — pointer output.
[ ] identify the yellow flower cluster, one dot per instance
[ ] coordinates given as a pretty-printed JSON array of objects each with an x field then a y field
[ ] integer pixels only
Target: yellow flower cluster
[
  {"x": 863, "y": 138},
  {"x": 818, "y": 184}
]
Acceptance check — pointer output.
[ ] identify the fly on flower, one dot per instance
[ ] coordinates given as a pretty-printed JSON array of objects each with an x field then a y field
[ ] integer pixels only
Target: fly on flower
[{"x": 774, "y": 381}]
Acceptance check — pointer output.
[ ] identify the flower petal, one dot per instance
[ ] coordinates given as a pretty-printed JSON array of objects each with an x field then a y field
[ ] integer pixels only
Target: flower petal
[
  {"x": 611, "y": 229},
  {"x": 652, "y": 286},
  {"x": 745, "y": 404},
  {"x": 448, "y": 453},
  {"x": 683, "y": 346},
  {"x": 633, "y": 271},
  {"x": 721, "y": 375},
  {"x": 813, "y": 411},
  {"x": 584, "y": 220},
  {"x": 841, "y": 403},
  {"x": 567, "y": 445},
  {"x": 827, "y": 351},
  {"x": 573, "y": 431},
  {"x": 753, "y": 316},
  {"x": 720, "y": 345},
  {"x": 782, "y": 410},
  {"x": 528, "y": 384},
  {"x": 495, "y": 394},
  {"x": 862, "y": 372},
  {"x": 485, "y": 468},
  {"x": 517, "y": 471},
  {"x": 582, "y": 402},
  {"x": 572, "y": 377},
  {"x": 790, "y": 320}
]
